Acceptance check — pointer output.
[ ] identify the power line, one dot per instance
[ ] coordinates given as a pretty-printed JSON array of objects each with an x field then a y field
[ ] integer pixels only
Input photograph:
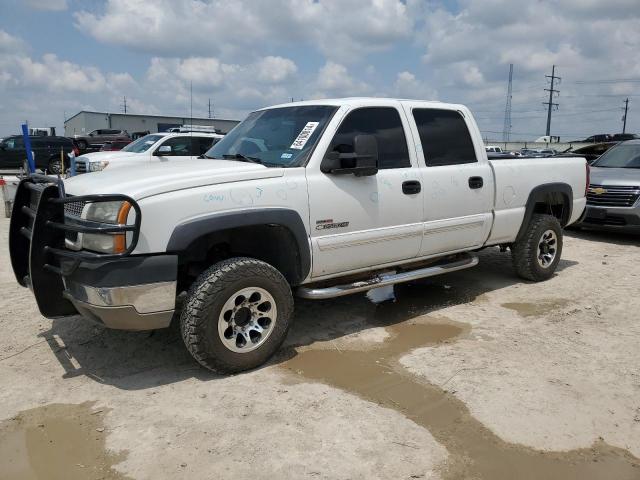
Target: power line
[
  {"x": 507, "y": 109},
  {"x": 606, "y": 81},
  {"x": 550, "y": 103}
]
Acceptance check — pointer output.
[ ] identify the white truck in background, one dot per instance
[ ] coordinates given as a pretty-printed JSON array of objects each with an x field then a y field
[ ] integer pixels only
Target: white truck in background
[
  {"x": 319, "y": 198},
  {"x": 150, "y": 149}
]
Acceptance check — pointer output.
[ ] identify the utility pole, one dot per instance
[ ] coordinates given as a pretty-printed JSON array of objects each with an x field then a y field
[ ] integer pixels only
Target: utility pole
[
  {"x": 550, "y": 103},
  {"x": 624, "y": 118},
  {"x": 124, "y": 104},
  {"x": 210, "y": 111},
  {"x": 506, "y": 130}
]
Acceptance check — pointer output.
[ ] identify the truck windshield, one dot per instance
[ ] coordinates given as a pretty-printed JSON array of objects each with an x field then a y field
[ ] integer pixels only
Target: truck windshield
[
  {"x": 620, "y": 156},
  {"x": 277, "y": 137},
  {"x": 142, "y": 144}
]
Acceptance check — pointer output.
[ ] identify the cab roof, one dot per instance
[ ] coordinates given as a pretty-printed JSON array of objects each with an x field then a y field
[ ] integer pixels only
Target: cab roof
[{"x": 367, "y": 101}]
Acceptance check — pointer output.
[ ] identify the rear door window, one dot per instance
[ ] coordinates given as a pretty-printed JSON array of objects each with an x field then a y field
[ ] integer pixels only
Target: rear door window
[
  {"x": 203, "y": 144},
  {"x": 444, "y": 136}
]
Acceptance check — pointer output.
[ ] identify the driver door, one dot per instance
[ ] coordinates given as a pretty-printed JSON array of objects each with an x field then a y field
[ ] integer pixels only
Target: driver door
[{"x": 360, "y": 222}]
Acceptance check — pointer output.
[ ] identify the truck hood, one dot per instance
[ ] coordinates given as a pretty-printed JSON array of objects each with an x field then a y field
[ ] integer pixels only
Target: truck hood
[
  {"x": 615, "y": 176},
  {"x": 98, "y": 156},
  {"x": 146, "y": 180}
]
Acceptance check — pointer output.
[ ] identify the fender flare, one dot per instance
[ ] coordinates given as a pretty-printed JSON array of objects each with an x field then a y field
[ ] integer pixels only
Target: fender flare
[
  {"x": 187, "y": 232},
  {"x": 539, "y": 194}
]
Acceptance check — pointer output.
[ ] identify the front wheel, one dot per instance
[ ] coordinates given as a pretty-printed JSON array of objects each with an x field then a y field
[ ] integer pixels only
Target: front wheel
[
  {"x": 55, "y": 166},
  {"x": 236, "y": 315},
  {"x": 536, "y": 255}
]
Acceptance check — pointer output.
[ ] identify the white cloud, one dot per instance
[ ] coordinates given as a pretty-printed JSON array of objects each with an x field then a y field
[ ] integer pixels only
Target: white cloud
[
  {"x": 408, "y": 86},
  {"x": 51, "y": 5},
  {"x": 340, "y": 29},
  {"x": 275, "y": 69},
  {"x": 333, "y": 79},
  {"x": 467, "y": 55},
  {"x": 10, "y": 44}
]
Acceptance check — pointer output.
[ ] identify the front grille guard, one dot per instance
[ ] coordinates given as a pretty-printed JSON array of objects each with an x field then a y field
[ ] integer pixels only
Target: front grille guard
[{"x": 37, "y": 238}]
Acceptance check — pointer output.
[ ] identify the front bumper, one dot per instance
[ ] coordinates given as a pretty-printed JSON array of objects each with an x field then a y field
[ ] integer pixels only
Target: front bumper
[
  {"x": 121, "y": 291},
  {"x": 612, "y": 218},
  {"x": 135, "y": 293}
]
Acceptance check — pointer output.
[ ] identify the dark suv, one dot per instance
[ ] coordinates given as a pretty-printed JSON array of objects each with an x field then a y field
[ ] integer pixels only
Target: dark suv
[
  {"x": 46, "y": 151},
  {"x": 99, "y": 137},
  {"x": 622, "y": 137}
]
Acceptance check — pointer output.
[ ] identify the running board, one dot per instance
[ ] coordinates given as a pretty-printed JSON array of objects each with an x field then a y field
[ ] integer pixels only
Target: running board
[{"x": 385, "y": 279}]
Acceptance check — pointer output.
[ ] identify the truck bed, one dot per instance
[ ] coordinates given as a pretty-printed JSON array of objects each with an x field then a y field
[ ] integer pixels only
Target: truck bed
[{"x": 514, "y": 181}]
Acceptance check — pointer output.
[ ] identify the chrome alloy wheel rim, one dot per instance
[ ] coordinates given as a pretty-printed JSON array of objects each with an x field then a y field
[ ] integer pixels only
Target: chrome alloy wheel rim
[
  {"x": 247, "y": 319},
  {"x": 547, "y": 248}
]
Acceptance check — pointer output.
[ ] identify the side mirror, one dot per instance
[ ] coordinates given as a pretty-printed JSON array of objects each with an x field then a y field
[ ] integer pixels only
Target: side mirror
[
  {"x": 91, "y": 134},
  {"x": 162, "y": 150},
  {"x": 362, "y": 162}
]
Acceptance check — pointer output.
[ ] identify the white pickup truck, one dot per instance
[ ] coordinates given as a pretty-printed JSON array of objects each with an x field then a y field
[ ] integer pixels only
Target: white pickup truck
[
  {"x": 320, "y": 199},
  {"x": 152, "y": 148}
]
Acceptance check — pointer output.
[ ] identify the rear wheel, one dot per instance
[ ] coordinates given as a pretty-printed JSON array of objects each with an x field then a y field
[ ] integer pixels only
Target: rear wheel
[
  {"x": 536, "y": 255},
  {"x": 236, "y": 315}
]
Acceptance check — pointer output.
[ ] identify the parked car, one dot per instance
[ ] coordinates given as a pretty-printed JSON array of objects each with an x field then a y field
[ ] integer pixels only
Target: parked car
[
  {"x": 614, "y": 189},
  {"x": 621, "y": 137},
  {"x": 590, "y": 152},
  {"x": 321, "y": 198},
  {"x": 97, "y": 138},
  {"x": 537, "y": 152},
  {"x": 114, "y": 146},
  {"x": 600, "y": 138},
  {"x": 492, "y": 149},
  {"x": 154, "y": 148},
  {"x": 46, "y": 152},
  {"x": 137, "y": 135}
]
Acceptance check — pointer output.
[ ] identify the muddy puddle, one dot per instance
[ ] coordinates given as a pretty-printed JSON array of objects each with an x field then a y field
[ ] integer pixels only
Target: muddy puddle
[
  {"x": 57, "y": 442},
  {"x": 474, "y": 451},
  {"x": 536, "y": 309}
]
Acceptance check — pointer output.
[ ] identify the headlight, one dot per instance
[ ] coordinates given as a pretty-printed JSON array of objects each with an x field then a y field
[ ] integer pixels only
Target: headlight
[
  {"x": 115, "y": 213},
  {"x": 97, "y": 166}
]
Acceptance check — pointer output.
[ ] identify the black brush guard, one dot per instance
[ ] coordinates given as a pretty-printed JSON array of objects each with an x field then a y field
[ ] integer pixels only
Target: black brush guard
[{"x": 37, "y": 240}]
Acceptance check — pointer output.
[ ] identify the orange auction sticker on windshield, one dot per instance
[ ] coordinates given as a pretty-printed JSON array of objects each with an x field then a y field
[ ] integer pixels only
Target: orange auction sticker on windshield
[{"x": 304, "y": 135}]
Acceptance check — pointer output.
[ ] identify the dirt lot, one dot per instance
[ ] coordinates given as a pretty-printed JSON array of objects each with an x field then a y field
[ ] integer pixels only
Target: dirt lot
[{"x": 471, "y": 375}]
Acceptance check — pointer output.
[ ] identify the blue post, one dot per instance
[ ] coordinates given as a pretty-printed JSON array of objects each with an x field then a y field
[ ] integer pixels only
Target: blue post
[
  {"x": 27, "y": 146},
  {"x": 72, "y": 160}
]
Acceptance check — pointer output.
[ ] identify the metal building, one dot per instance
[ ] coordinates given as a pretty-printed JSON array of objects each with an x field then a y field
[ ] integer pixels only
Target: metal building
[{"x": 84, "y": 122}]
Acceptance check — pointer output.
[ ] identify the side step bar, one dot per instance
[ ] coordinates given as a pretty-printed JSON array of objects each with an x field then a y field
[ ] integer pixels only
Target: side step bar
[{"x": 385, "y": 279}]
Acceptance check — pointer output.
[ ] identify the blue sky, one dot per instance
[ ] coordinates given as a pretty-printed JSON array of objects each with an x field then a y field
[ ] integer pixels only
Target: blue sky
[{"x": 60, "y": 56}]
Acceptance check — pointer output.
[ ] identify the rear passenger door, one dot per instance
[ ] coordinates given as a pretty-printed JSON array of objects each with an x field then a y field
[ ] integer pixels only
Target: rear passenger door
[
  {"x": 360, "y": 222},
  {"x": 458, "y": 189}
]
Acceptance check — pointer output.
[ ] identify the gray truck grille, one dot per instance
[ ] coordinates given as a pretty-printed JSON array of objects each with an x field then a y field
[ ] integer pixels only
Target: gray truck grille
[
  {"x": 81, "y": 166},
  {"x": 74, "y": 209},
  {"x": 612, "y": 196}
]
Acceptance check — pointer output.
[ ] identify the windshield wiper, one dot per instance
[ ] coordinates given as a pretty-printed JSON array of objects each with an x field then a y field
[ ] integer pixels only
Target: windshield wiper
[
  {"x": 242, "y": 158},
  {"x": 204, "y": 155}
]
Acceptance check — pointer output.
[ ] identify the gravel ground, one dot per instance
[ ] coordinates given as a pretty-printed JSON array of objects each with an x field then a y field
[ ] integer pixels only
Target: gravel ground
[{"x": 532, "y": 373}]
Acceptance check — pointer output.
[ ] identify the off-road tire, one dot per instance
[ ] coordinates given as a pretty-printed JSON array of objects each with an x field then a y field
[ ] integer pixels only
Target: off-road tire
[
  {"x": 55, "y": 166},
  {"x": 205, "y": 300},
  {"x": 82, "y": 144},
  {"x": 524, "y": 252}
]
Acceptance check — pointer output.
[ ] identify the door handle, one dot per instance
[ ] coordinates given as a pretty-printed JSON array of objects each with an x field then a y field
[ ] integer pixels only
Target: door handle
[
  {"x": 411, "y": 187},
  {"x": 476, "y": 182}
]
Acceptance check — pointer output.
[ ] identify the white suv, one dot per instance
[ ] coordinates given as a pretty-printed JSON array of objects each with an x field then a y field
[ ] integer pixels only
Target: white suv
[{"x": 153, "y": 148}]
